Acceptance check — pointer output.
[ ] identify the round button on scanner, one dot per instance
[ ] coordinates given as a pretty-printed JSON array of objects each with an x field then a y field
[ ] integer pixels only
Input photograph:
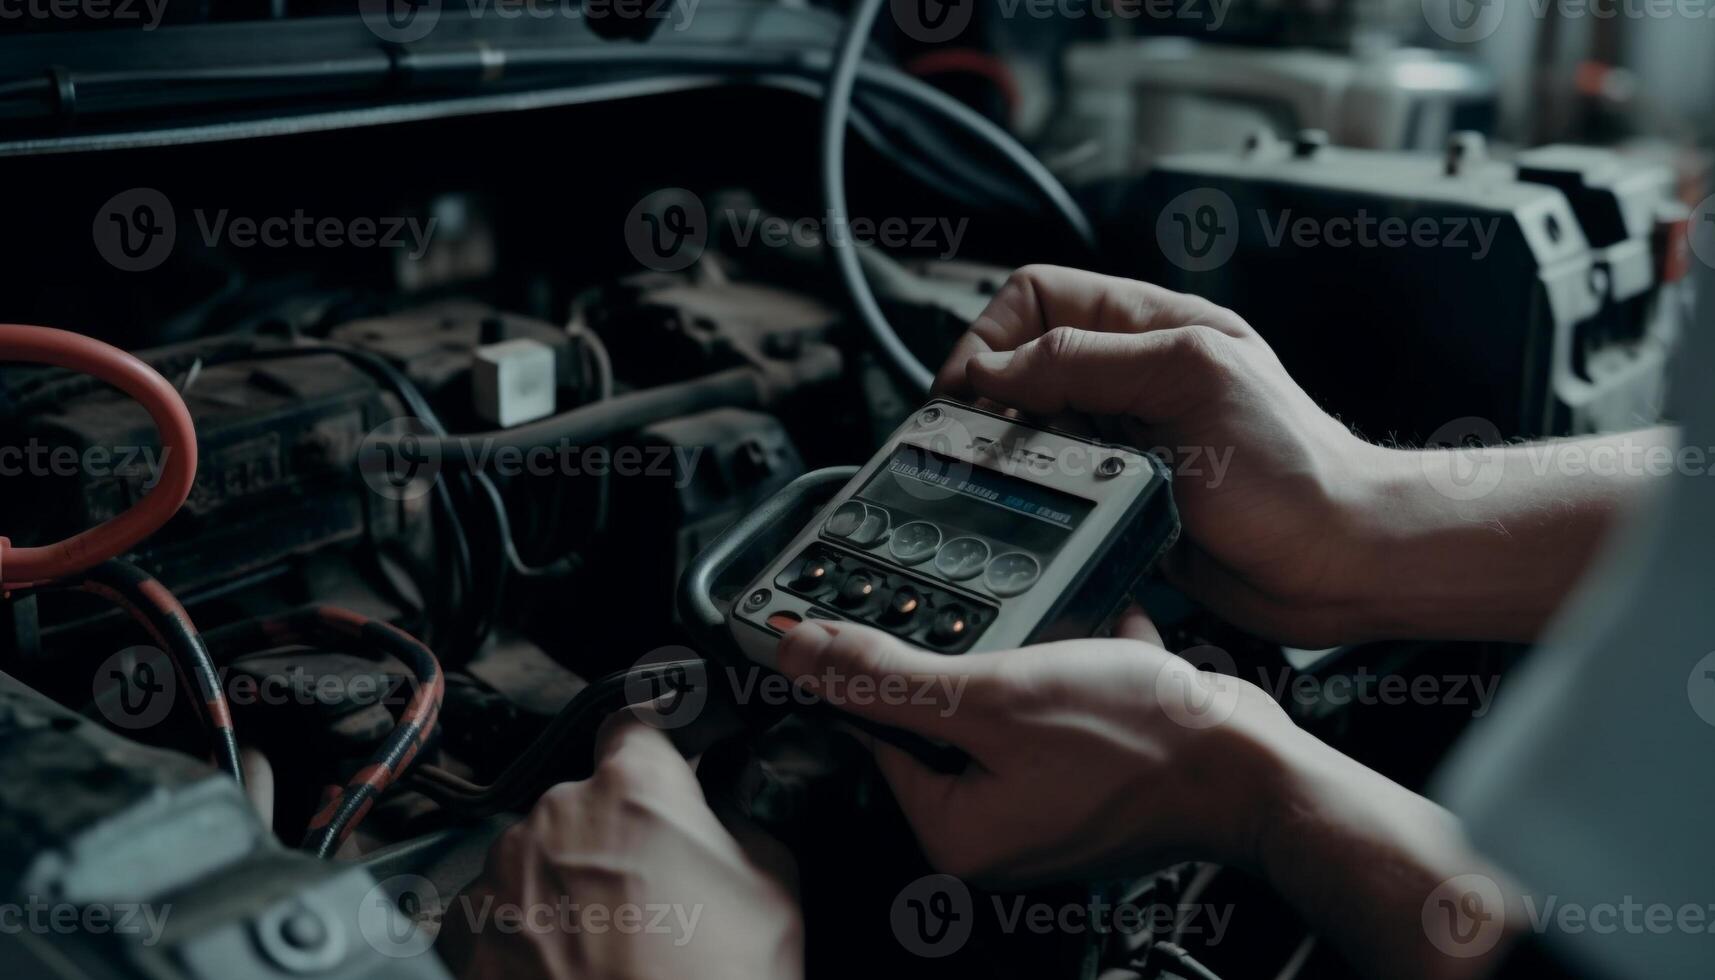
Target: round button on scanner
[
  {"x": 902, "y": 606},
  {"x": 951, "y": 624},
  {"x": 858, "y": 589},
  {"x": 846, "y": 519},
  {"x": 812, "y": 574},
  {"x": 962, "y": 558},
  {"x": 914, "y": 542},
  {"x": 873, "y": 528},
  {"x": 1011, "y": 573}
]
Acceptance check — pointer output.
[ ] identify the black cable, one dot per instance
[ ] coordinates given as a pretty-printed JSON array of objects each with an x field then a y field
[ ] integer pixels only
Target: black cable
[
  {"x": 565, "y": 750},
  {"x": 739, "y": 387},
  {"x": 159, "y": 612},
  {"x": 836, "y": 111},
  {"x": 333, "y": 627},
  {"x": 842, "y": 79},
  {"x": 1182, "y": 962},
  {"x": 503, "y": 531}
]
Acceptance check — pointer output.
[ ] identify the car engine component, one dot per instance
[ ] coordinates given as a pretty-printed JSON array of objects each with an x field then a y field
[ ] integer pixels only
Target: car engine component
[{"x": 1407, "y": 292}]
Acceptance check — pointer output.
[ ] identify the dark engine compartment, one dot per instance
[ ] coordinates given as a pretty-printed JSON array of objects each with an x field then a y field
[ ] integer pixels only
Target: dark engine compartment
[{"x": 319, "y": 285}]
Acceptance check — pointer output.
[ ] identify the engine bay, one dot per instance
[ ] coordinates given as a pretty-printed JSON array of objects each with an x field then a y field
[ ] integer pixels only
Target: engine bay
[{"x": 506, "y": 385}]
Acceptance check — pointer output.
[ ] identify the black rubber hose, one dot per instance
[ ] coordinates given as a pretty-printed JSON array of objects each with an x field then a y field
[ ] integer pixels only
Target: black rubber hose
[
  {"x": 565, "y": 750},
  {"x": 745, "y": 387}
]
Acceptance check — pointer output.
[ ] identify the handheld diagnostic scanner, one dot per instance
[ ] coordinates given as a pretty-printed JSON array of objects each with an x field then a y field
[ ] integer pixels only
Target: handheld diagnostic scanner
[{"x": 970, "y": 531}]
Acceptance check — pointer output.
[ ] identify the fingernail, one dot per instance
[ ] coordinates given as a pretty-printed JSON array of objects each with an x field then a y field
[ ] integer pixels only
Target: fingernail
[
  {"x": 993, "y": 362},
  {"x": 803, "y": 643}
]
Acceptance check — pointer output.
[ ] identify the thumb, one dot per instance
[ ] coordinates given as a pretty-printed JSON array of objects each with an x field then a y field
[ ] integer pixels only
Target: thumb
[
  {"x": 868, "y": 673},
  {"x": 1135, "y": 624},
  {"x": 1152, "y": 376}
]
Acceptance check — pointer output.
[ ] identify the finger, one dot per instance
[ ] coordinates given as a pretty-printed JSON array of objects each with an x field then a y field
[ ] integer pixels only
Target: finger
[
  {"x": 868, "y": 673},
  {"x": 1038, "y": 298},
  {"x": 1155, "y": 376},
  {"x": 922, "y": 792},
  {"x": 626, "y": 740},
  {"x": 1135, "y": 624},
  {"x": 1073, "y": 424}
]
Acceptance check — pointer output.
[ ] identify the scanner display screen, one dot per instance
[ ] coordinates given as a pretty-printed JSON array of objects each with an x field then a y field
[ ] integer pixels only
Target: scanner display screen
[{"x": 919, "y": 484}]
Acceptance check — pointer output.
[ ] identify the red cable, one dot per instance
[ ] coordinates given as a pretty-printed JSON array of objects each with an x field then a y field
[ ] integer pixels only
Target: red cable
[
  {"x": 20, "y": 567},
  {"x": 969, "y": 61}
]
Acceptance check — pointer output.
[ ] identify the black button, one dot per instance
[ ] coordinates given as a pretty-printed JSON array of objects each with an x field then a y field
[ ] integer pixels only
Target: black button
[
  {"x": 859, "y": 588},
  {"x": 952, "y": 623},
  {"x": 813, "y": 574},
  {"x": 902, "y": 606}
]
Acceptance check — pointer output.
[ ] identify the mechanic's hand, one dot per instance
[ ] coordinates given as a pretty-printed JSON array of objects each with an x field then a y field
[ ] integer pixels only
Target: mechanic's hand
[
  {"x": 1094, "y": 758},
  {"x": 1274, "y": 494},
  {"x": 1090, "y": 756},
  {"x": 655, "y": 885}
]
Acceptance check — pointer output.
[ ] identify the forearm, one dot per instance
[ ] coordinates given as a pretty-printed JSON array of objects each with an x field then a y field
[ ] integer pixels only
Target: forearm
[
  {"x": 1486, "y": 543},
  {"x": 1382, "y": 873}
]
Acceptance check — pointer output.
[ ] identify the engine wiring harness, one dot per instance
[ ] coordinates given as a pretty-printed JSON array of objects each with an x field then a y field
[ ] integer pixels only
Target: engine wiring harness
[
  {"x": 90, "y": 562},
  {"x": 161, "y": 615},
  {"x": 331, "y": 626}
]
